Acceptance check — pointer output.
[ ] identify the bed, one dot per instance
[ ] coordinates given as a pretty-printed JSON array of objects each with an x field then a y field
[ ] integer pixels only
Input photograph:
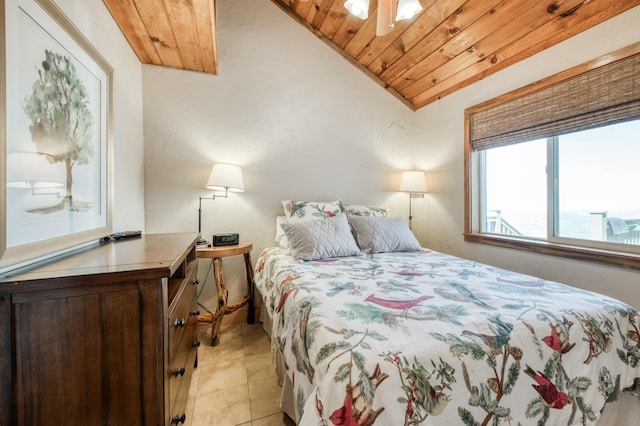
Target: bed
[{"x": 390, "y": 333}]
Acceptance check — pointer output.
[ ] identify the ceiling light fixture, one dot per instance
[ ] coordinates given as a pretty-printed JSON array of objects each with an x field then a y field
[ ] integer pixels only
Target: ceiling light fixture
[{"x": 387, "y": 10}]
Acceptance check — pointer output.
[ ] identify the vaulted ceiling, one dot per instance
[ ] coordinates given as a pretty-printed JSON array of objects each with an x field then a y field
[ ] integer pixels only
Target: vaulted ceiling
[
  {"x": 449, "y": 45},
  {"x": 172, "y": 33}
]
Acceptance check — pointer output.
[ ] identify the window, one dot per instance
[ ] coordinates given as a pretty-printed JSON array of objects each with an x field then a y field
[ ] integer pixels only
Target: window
[
  {"x": 589, "y": 194},
  {"x": 552, "y": 167},
  {"x": 514, "y": 185}
]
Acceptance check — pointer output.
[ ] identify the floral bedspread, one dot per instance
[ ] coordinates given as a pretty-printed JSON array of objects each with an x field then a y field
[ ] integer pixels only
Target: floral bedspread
[{"x": 428, "y": 338}]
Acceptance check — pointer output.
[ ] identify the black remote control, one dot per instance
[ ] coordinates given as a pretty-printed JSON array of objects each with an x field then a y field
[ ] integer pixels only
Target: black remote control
[{"x": 123, "y": 234}]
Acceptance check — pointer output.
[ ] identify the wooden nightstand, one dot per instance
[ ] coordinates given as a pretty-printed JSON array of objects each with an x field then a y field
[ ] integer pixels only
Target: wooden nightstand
[{"x": 216, "y": 254}]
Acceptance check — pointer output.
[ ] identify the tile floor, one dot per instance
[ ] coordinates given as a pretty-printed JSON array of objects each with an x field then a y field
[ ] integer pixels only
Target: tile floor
[{"x": 235, "y": 382}]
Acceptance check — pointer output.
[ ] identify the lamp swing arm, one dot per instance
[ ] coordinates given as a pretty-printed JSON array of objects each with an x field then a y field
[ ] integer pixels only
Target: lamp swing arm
[
  {"x": 410, "y": 215},
  {"x": 223, "y": 176},
  {"x": 413, "y": 182},
  {"x": 411, "y": 196},
  {"x": 212, "y": 197}
]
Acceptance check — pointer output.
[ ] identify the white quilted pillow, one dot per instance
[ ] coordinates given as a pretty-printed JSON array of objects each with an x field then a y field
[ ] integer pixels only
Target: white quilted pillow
[
  {"x": 383, "y": 234},
  {"x": 280, "y": 237},
  {"x": 320, "y": 239}
]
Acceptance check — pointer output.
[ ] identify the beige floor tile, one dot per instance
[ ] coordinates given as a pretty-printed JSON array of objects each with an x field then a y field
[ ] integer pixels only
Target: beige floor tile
[
  {"x": 195, "y": 378},
  {"x": 191, "y": 402},
  {"x": 279, "y": 419},
  {"x": 250, "y": 329},
  {"x": 264, "y": 397},
  {"x": 257, "y": 343},
  {"x": 193, "y": 392},
  {"x": 228, "y": 407},
  {"x": 230, "y": 331},
  {"x": 235, "y": 383},
  {"x": 226, "y": 350},
  {"x": 227, "y": 331},
  {"x": 260, "y": 366},
  {"x": 203, "y": 334},
  {"x": 222, "y": 375}
]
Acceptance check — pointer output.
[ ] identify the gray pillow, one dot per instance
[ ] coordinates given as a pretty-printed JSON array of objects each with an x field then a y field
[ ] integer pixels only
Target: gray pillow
[
  {"x": 383, "y": 234},
  {"x": 320, "y": 239}
]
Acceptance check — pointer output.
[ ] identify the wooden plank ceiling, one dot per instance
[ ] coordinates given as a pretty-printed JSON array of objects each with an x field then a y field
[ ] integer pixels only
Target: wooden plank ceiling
[
  {"x": 449, "y": 45},
  {"x": 173, "y": 33}
]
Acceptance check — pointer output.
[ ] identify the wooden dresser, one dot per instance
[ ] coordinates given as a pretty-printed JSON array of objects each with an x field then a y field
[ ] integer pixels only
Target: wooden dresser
[{"x": 102, "y": 336}]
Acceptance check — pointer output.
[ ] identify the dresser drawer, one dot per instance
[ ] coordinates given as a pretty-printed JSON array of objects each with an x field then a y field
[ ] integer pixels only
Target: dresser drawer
[
  {"x": 182, "y": 360},
  {"x": 179, "y": 401},
  {"x": 184, "y": 310},
  {"x": 181, "y": 371}
]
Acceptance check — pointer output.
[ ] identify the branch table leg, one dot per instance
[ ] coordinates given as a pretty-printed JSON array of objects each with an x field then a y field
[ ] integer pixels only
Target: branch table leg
[
  {"x": 221, "y": 287},
  {"x": 251, "y": 313},
  {"x": 216, "y": 254}
]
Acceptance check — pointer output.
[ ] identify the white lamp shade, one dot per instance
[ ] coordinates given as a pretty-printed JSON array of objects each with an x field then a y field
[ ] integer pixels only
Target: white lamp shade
[
  {"x": 32, "y": 171},
  {"x": 359, "y": 8},
  {"x": 413, "y": 181},
  {"x": 226, "y": 177},
  {"x": 407, "y": 9}
]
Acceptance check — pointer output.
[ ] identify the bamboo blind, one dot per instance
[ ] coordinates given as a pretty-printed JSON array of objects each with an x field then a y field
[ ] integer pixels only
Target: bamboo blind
[{"x": 601, "y": 96}]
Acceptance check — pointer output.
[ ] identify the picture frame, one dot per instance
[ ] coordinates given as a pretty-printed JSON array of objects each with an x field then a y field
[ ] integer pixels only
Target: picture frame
[{"x": 56, "y": 180}]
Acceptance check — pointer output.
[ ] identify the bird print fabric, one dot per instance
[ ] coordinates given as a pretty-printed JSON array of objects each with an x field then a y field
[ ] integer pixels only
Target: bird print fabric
[{"x": 452, "y": 342}]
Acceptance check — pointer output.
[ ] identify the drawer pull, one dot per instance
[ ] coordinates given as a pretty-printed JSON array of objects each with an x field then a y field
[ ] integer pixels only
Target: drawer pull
[
  {"x": 196, "y": 344},
  {"x": 195, "y": 281},
  {"x": 179, "y": 419},
  {"x": 195, "y": 313},
  {"x": 180, "y": 371},
  {"x": 180, "y": 322}
]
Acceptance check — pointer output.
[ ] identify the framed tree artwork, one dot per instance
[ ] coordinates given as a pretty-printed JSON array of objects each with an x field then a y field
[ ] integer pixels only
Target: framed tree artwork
[{"x": 56, "y": 184}]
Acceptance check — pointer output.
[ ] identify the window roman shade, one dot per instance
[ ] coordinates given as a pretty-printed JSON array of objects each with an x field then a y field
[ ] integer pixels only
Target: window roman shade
[{"x": 605, "y": 95}]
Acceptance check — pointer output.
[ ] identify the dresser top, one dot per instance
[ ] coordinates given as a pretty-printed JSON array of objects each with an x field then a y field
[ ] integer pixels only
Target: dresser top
[{"x": 152, "y": 255}]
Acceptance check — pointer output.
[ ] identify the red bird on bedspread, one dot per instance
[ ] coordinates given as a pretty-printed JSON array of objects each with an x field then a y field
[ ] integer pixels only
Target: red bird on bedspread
[
  {"x": 547, "y": 390},
  {"x": 396, "y": 304},
  {"x": 559, "y": 338},
  {"x": 343, "y": 416},
  {"x": 356, "y": 411}
]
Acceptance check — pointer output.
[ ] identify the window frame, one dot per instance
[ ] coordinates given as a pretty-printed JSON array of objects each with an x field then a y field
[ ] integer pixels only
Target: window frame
[{"x": 564, "y": 247}]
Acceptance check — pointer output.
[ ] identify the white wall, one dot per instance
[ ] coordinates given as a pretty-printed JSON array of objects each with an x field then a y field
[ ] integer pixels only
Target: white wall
[
  {"x": 93, "y": 19},
  {"x": 305, "y": 124},
  {"x": 300, "y": 121},
  {"x": 441, "y": 127}
]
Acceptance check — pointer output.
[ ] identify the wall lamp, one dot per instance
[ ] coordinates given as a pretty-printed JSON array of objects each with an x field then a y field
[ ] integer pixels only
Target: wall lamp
[
  {"x": 34, "y": 171},
  {"x": 415, "y": 183},
  {"x": 223, "y": 177}
]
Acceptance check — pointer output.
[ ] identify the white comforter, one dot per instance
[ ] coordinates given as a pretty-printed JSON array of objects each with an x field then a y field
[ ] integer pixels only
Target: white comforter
[{"x": 423, "y": 337}]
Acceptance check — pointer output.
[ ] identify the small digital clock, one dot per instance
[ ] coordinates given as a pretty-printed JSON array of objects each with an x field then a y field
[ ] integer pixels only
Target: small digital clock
[{"x": 225, "y": 239}]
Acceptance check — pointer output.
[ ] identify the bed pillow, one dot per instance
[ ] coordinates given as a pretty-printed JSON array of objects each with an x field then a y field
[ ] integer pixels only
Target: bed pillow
[
  {"x": 280, "y": 237},
  {"x": 301, "y": 211},
  {"x": 383, "y": 234},
  {"x": 363, "y": 210},
  {"x": 320, "y": 239}
]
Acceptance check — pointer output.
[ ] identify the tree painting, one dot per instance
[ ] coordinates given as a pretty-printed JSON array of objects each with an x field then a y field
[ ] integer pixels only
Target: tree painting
[{"x": 61, "y": 123}]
